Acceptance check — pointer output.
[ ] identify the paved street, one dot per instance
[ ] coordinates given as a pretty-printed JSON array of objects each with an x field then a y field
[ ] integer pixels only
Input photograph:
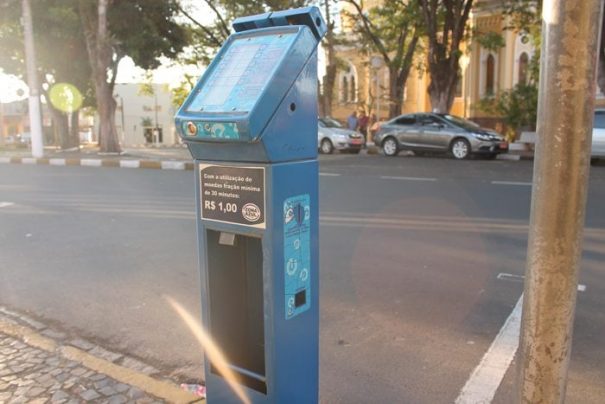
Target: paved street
[{"x": 421, "y": 265}]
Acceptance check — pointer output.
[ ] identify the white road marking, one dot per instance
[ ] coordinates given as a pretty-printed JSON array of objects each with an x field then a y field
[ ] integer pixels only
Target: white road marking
[
  {"x": 388, "y": 177},
  {"x": 6, "y": 204},
  {"x": 512, "y": 183},
  {"x": 91, "y": 162},
  {"x": 520, "y": 278},
  {"x": 329, "y": 175},
  {"x": 5, "y": 159},
  {"x": 487, "y": 376}
]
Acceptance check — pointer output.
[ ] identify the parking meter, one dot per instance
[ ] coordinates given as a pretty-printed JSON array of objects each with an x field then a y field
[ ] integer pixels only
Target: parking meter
[{"x": 250, "y": 124}]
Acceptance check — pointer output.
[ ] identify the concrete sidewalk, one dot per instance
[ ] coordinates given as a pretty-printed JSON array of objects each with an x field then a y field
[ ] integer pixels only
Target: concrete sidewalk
[{"x": 42, "y": 365}]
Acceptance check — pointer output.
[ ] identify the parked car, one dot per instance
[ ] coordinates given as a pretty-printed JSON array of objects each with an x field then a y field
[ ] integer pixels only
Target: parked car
[
  {"x": 25, "y": 139},
  {"x": 331, "y": 135},
  {"x": 10, "y": 139},
  {"x": 430, "y": 132},
  {"x": 598, "y": 135}
]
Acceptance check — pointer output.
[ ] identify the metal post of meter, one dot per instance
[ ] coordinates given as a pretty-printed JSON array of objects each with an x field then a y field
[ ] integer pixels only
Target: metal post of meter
[
  {"x": 565, "y": 113},
  {"x": 35, "y": 120}
]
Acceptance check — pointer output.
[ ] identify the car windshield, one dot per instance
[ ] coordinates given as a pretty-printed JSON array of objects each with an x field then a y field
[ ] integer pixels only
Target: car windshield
[
  {"x": 330, "y": 123},
  {"x": 599, "y": 119},
  {"x": 461, "y": 122}
]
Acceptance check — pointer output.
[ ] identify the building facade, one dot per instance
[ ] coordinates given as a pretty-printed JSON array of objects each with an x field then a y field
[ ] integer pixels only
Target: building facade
[
  {"x": 362, "y": 82},
  {"x": 144, "y": 119}
]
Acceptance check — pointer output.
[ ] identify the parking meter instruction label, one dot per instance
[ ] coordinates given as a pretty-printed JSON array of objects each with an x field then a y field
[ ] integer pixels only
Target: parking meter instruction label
[
  {"x": 233, "y": 194},
  {"x": 297, "y": 254}
]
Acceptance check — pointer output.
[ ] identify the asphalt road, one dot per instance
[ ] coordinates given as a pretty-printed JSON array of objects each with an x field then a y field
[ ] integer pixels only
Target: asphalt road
[{"x": 421, "y": 264}]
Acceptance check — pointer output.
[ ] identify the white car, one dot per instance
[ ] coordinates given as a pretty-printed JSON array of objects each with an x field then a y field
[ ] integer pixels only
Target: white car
[
  {"x": 598, "y": 135},
  {"x": 331, "y": 135}
]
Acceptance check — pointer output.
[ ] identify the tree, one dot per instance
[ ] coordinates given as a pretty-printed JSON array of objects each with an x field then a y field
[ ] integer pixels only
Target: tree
[
  {"x": 208, "y": 38},
  {"x": 445, "y": 22},
  {"x": 392, "y": 30},
  {"x": 329, "y": 44},
  {"x": 145, "y": 30},
  {"x": 59, "y": 43}
]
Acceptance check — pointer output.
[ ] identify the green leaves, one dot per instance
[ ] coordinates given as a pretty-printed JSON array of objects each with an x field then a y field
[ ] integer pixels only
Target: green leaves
[{"x": 517, "y": 106}]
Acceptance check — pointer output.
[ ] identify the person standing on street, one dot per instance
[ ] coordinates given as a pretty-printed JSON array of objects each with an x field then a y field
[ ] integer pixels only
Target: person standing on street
[
  {"x": 352, "y": 121},
  {"x": 362, "y": 125}
]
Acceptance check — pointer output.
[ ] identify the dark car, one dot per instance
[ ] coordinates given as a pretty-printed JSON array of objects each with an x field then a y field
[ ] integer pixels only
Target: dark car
[{"x": 431, "y": 132}]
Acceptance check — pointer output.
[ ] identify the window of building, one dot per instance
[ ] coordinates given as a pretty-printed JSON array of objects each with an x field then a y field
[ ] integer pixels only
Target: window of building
[
  {"x": 348, "y": 85},
  {"x": 490, "y": 73},
  {"x": 344, "y": 91},
  {"x": 523, "y": 67}
]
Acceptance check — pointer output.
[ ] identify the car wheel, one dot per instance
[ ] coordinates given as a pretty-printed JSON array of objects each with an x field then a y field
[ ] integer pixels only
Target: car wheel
[
  {"x": 390, "y": 147},
  {"x": 460, "y": 149},
  {"x": 326, "y": 146}
]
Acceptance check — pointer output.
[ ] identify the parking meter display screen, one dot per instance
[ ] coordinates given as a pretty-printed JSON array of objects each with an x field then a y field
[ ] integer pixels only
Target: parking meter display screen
[{"x": 242, "y": 74}]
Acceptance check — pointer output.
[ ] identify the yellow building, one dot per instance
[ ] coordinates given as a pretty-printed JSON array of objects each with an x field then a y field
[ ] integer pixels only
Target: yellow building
[{"x": 363, "y": 82}]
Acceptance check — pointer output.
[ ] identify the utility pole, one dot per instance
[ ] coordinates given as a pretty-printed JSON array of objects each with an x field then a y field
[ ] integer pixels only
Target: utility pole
[
  {"x": 570, "y": 33},
  {"x": 35, "y": 117}
]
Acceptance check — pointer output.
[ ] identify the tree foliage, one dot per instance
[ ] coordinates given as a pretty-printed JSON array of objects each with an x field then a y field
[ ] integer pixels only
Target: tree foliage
[
  {"x": 393, "y": 31},
  {"x": 83, "y": 41},
  {"x": 206, "y": 39},
  {"x": 517, "y": 106},
  {"x": 59, "y": 45},
  {"x": 145, "y": 30}
]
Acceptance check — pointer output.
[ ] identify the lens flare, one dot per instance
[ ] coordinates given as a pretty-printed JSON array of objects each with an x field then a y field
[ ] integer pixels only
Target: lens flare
[{"x": 212, "y": 350}]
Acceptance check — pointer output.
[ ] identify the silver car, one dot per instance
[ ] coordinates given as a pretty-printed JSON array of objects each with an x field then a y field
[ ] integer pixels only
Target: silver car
[
  {"x": 598, "y": 135},
  {"x": 331, "y": 135},
  {"x": 430, "y": 132}
]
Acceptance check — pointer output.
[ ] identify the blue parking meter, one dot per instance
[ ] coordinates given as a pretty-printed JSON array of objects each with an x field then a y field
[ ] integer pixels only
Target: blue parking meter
[{"x": 250, "y": 124}]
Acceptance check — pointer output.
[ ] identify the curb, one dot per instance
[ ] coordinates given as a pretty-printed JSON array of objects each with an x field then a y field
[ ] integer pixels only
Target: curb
[
  {"x": 32, "y": 336},
  {"x": 88, "y": 162}
]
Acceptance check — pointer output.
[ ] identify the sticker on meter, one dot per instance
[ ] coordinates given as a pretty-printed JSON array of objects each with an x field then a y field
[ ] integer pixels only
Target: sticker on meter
[
  {"x": 297, "y": 255},
  {"x": 233, "y": 194}
]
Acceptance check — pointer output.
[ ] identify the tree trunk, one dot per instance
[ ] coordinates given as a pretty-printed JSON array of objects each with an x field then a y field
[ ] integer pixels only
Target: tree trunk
[
  {"x": 397, "y": 80},
  {"x": 108, "y": 136},
  {"x": 74, "y": 131},
  {"x": 328, "y": 92},
  {"x": 330, "y": 77},
  {"x": 601, "y": 55},
  {"x": 59, "y": 124},
  {"x": 442, "y": 89},
  {"x": 101, "y": 55}
]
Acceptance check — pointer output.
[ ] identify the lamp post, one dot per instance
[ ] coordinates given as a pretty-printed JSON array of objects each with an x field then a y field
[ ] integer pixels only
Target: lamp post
[{"x": 35, "y": 121}]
